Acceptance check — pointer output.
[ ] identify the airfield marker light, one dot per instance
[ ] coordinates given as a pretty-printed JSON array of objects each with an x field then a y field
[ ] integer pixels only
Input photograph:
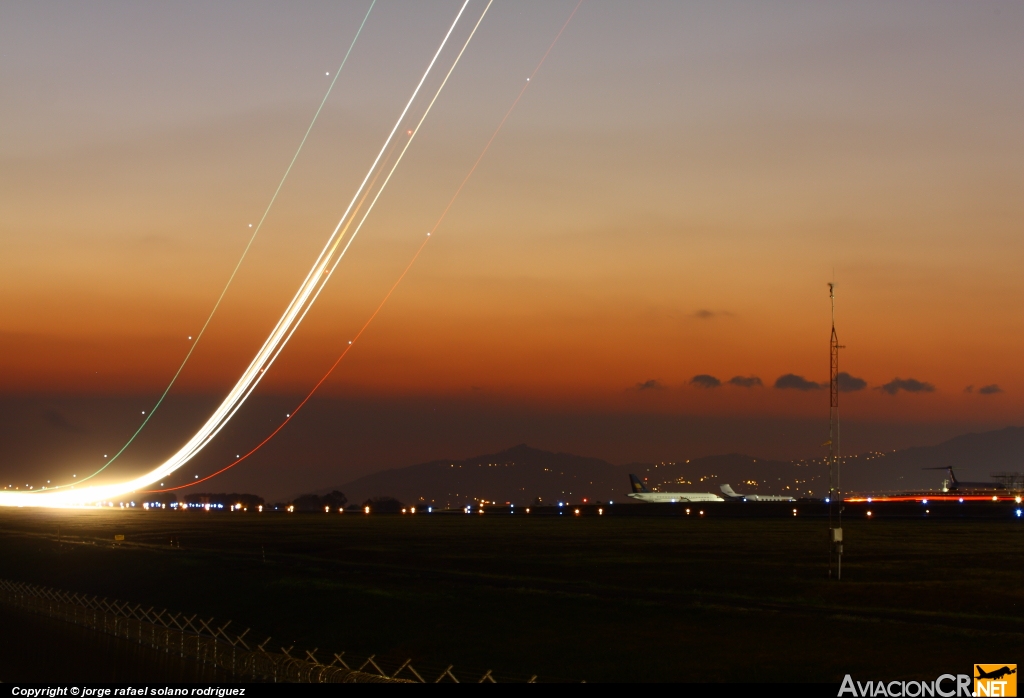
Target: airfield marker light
[
  {"x": 869, "y": 500},
  {"x": 430, "y": 510},
  {"x": 412, "y": 510},
  {"x": 961, "y": 500},
  {"x": 1017, "y": 499},
  {"x": 869, "y": 513},
  {"x": 527, "y": 510},
  {"x": 687, "y": 512},
  {"x": 794, "y": 512},
  {"x": 327, "y": 510},
  {"x": 702, "y": 512},
  {"x": 995, "y": 498},
  {"x": 481, "y": 510},
  {"x": 403, "y": 511},
  {"x": 600, "y": 512},
  {"x": 927, "y": 511},
  {"x": 577, "y": 512},
  {"x": 924, "y": 501},
  {"x": 827, "y": 500},
  {"x": 366, "y": 510},
  {"x": 1018, "y": 513}
]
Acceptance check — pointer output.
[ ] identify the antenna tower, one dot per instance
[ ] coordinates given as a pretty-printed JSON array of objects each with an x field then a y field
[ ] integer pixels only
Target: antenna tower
[{"x": 834, "y": 490}]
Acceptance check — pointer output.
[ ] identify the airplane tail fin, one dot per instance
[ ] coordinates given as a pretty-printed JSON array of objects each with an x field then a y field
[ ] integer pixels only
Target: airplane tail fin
[
  {"x": 948, "y": 469},
  {"x": 728, "y": 491},
  {"x": 636, "y": 484}
]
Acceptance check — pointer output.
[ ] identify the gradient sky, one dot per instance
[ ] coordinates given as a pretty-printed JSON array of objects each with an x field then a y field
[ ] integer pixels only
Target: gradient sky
[{"x": 668, "y": 200}]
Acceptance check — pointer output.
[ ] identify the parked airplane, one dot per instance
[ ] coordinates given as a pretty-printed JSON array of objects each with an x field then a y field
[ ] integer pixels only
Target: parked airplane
[
  {"x": 728, "y": 492},
  {"x": 641, "y": 493},
  {"x": 954, "y": 485}
]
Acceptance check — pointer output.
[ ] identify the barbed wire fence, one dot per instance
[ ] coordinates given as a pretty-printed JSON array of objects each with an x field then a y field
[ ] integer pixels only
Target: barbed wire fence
[{"x": 211, "y": 642}]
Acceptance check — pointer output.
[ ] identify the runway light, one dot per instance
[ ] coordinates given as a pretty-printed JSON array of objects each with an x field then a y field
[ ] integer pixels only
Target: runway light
[
  {"x": 403, "y": 511},
  {"x": 600, "y": 512},
  {"x": 327, "y": 510},
  {"x": 366, "y": 510},
  {"x": 412, "y": 510},
  {"x": 1016, "y": 499},
  {"x": 687, "y": 512},
  {"x": 961, "y": 500},
  {"x": 1018, "y": 513},
  {"x": 527, "y": 510},
  {"x": 869, "y": 513},
  {"x": 995, "y": 499},
  {"x": 577, "y": 512},
  {"x": 702, "y": 512},
  {"x": 827, "y": 500},
  {"x": 794, "y": 512},
  {"x": 924, "y": 501},
  {"x": 869, "y": 499},
  {"x": 430, "y": 510}
]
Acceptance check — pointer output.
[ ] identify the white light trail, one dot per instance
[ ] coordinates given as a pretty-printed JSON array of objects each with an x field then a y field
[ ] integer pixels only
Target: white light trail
[{"x": 296, "y": 310}]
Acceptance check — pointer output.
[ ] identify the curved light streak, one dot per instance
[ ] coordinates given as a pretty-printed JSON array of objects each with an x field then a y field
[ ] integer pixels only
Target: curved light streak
[
  {"x": 283, "y": 330},
  {"x": 401, "y": 277},
  {"x": 149, "y": 413}
]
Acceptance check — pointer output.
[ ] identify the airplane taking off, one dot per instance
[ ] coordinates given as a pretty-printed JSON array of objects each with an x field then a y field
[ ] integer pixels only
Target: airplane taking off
[
  {"x": 728, "y": 492},
  {"x": 995, "y": 674},
  {"x": 641, "y": 493}
]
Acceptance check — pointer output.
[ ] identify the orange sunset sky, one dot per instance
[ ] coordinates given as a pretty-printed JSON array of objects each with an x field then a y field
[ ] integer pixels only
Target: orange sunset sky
[{"x": 669, "y": 199}]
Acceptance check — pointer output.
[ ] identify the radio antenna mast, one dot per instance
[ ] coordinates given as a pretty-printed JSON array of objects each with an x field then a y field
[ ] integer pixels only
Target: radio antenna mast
[{"x": 834, "y": 489}]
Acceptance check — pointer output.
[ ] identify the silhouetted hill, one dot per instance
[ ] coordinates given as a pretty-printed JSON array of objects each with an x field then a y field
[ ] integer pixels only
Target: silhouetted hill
[
  {"x": 518, "y": 475},
  {"x": 521, "y": 474},
  {"x": 972, "y": 456}
]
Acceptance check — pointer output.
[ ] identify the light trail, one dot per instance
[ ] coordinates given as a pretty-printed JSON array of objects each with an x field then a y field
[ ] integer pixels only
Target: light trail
[
  {"x": 254, "y": 373},
  {"x": 387, "y": 296},
  {"x": 149, "y": 414}
]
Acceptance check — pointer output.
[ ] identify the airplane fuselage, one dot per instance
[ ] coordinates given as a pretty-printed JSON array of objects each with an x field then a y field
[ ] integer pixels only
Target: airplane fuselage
[{"x": 662, "y": 497}]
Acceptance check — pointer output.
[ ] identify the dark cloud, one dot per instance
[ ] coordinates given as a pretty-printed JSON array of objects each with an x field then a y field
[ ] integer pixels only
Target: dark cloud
[
  {"x": 850, "y": 384},
  {"x": 649, "y": 385},
  {"x": 989, "y": 389},
  {"x": 746, "y": 381},
  {"x": 791, "y": 380},
  {"x": 705, "y": 381},
  {"x": 705, "y": 314},
  {"x": 58, "y": 421},
  {"x": 910, "y": 385}
]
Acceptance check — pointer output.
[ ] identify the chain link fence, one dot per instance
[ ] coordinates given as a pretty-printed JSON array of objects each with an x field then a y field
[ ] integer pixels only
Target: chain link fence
[{"x": 211, "y": 642}]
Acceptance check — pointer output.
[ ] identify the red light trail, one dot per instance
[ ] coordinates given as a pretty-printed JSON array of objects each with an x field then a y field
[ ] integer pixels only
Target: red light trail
[{"x": 387, "y": 296}]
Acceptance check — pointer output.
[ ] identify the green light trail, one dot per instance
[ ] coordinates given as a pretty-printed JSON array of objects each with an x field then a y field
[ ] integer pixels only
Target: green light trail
[{"x": 234, "y": 272}]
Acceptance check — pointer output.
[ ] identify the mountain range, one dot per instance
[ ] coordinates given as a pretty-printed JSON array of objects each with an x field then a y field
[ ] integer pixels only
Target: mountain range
[{"x": 521, "y": 475}]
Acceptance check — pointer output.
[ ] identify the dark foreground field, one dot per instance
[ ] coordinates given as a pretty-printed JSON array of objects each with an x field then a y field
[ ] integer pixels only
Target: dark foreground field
[{"x": 594, "y": 598}]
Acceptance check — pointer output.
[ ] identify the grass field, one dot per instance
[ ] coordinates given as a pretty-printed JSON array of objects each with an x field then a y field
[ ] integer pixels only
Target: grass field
[{"x": 594, "y": 598}]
